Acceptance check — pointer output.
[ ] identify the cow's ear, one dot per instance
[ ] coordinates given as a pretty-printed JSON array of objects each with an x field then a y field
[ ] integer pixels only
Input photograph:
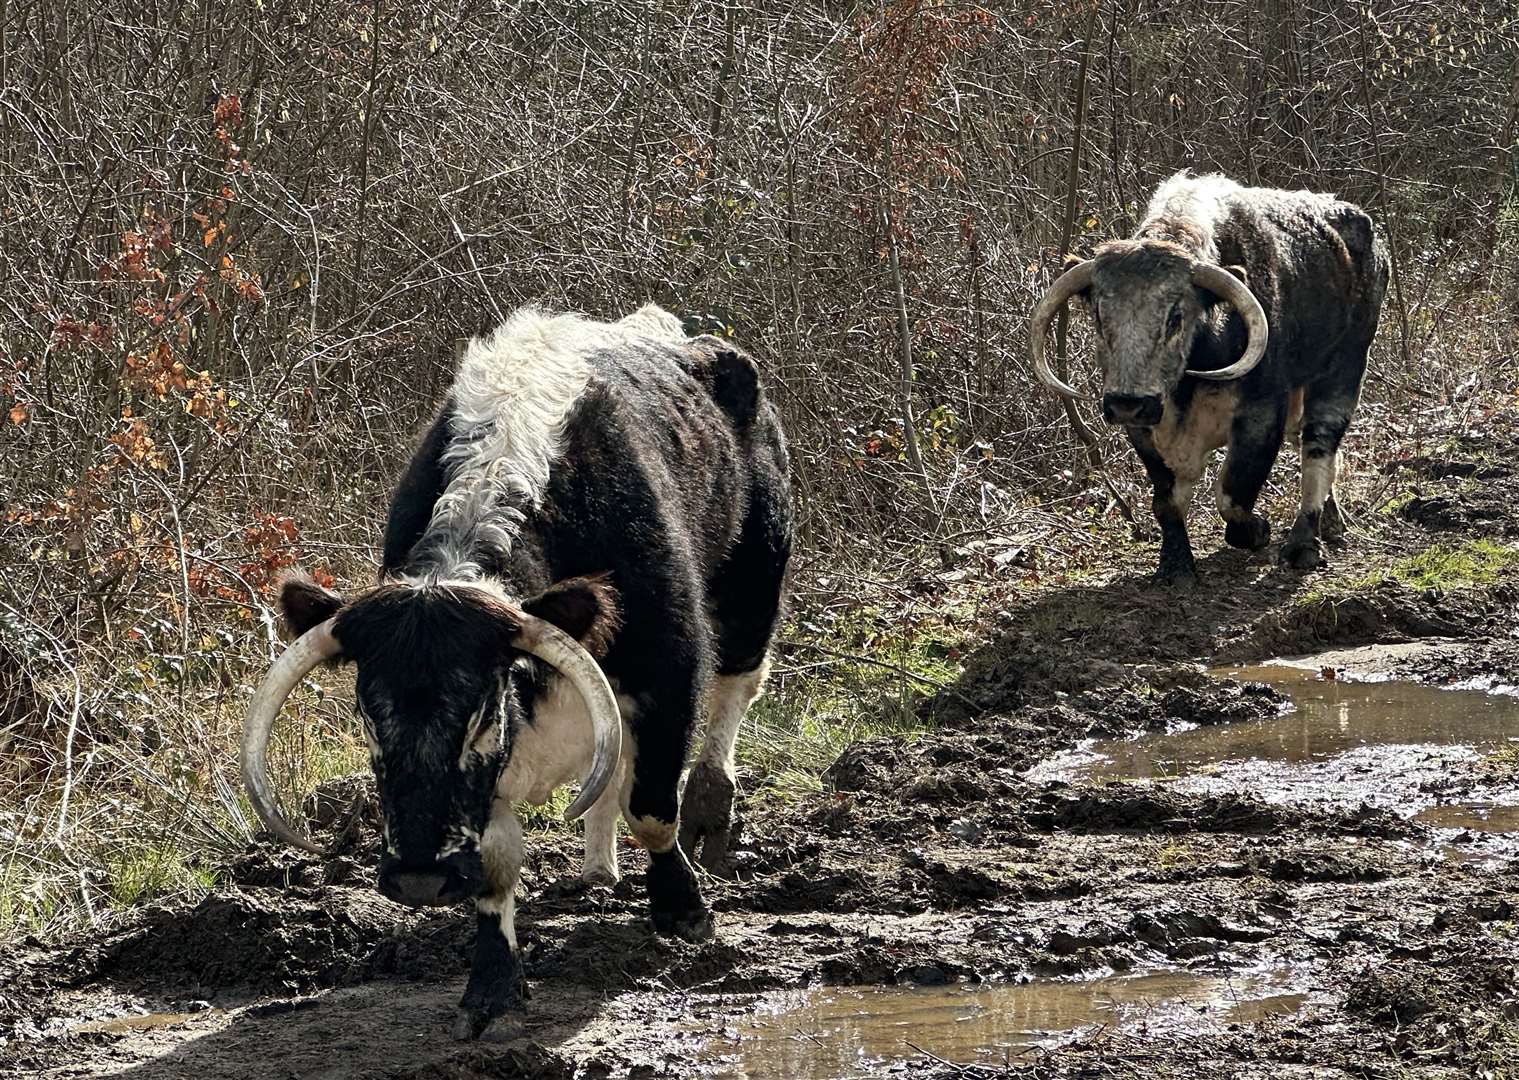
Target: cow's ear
[
  {"x": 305, "y": 604},
  {"x": 1212, "y": 300},
  {"x": 583, "y": 607},
  {"x": 1083, "y": 296}
]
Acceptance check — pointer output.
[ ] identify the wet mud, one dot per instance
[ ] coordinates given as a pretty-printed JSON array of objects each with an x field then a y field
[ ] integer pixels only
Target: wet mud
[{"x": 1105, "y": 858}]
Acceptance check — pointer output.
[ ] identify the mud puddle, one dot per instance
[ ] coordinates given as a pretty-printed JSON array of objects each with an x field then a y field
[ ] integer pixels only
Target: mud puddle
[
  {"x": 147, "y": 1021},
  {"x": 1478, "y": 817},
  {"x": 1394, "y": 745},
  {"x": 865, "y": 1031}
]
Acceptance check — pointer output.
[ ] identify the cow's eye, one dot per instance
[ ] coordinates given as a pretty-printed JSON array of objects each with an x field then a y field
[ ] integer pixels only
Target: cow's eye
[{"x": 1173, "y": 323}]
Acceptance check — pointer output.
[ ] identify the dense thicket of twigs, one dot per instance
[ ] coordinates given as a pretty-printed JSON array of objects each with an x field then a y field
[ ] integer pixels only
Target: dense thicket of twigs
[{"x": 238, "y": 239}]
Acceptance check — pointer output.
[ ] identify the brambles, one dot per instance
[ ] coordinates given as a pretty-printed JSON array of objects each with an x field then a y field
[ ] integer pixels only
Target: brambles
[{"x": 202, "y": 383}]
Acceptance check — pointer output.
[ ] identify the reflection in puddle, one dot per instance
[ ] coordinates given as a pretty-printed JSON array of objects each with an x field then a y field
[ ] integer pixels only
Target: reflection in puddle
[
  {"x": 1378, "y": 743},
  {"x": 1330, "y": 718},
  {"x": 848, "y": 1032},
  {"x": 1472, "y": 817}
]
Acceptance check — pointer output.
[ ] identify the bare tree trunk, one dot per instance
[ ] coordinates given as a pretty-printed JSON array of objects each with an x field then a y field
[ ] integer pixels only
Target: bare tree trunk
[
  {"x": 899, "y": 287},
  {"x": 1392, "y": 239},
  {"x": 367, "y": 130},
  {"x": 1067, "y": 227}
]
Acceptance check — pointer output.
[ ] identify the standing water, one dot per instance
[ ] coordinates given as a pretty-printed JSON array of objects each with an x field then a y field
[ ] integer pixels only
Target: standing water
[
  {"x": 1387, "y": 744},
  {"x": 851, "y": 1032}
]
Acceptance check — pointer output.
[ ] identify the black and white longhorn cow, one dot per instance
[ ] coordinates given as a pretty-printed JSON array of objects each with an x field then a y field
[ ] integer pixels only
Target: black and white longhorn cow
[
  {"x": 614, "y": 491},
  {"x": 1233, "y": 315}
]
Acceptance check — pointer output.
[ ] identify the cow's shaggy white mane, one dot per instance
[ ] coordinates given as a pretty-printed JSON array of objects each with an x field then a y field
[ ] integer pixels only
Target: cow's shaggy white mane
[
  {"x": 512, "y": 395},
  {"x": 1204, "y": 203},
  {"x": 1199, "y": 200}
]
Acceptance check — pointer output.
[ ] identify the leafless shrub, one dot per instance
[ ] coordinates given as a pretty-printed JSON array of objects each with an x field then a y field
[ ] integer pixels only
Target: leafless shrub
[{"x": 236, "y": 242}]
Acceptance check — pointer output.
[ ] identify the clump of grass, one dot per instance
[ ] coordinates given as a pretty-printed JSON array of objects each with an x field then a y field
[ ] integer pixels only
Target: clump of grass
[
  {"x": 1175, "y": 855},
  {"x": 153, "y": 796},
  {"x": 1438, "y": 568},
  {"x": 550, "y": 815},
  {"x": 1441, "y": 567},
  {"x": 1502, "y": 764},
  {"x": 861, "y": 677},
  {"x": 135, "y": 874}
]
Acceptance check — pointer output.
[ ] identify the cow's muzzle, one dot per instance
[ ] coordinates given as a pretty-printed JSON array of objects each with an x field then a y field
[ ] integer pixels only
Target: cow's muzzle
[
  {"x": 459, "y": 877},
  {"x": 1132, "y": 410}
]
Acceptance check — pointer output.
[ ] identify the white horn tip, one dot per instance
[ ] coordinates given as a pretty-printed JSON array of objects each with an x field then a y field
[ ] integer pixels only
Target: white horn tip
[{"x": 579, "y": 806}]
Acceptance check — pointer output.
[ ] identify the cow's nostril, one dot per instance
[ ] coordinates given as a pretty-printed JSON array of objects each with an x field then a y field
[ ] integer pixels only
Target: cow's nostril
[{"x": 432, "y": 885}]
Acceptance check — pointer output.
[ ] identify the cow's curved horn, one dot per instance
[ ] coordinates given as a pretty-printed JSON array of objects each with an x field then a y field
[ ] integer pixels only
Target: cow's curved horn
[
  {"x": 1066, "y": 286},
  {"x": 1225, "y": 285},
  {"x": 314, "y": 646},
  {"x": 557, "y": 649}
]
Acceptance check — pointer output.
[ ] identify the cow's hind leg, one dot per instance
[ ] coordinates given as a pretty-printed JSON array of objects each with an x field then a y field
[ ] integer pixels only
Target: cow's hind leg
[
  {"x": 666, "y": 684},
  {"x": 1326, "y": 416},
  {"x": 1255, "y": 440},
  {"x": 706, "y": 806},
  {"x": 496, "y": 983},
  {"x": 652, "y": 809},
  {"x": 746, "y": 599}
]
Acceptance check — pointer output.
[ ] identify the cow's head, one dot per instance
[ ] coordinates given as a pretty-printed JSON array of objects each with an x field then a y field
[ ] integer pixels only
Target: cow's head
[
  {"x": 1147, "y": 299},
  {"x": 438, "y": 670}
]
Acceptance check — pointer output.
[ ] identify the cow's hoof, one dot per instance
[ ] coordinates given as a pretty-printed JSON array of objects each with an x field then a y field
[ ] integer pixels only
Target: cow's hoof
[
  {"x": 600, "y": 877},
  {"x": 470, "y": 1024},
  {"x": 1302, "y": 554},
  {"x": 492, "y": 994},
  {"x": 1175, "y": 579},
  {"x": 693, "y": 926},
  {"x": 1252, "y": 534}
]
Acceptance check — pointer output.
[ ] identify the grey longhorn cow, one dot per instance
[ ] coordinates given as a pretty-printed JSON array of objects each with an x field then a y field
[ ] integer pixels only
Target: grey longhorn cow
[{"x": 1233, "y": 316}]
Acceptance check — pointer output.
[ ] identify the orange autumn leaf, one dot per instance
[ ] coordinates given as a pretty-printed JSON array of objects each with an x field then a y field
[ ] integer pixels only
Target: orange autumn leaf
[{"x": 19, "y": 414}]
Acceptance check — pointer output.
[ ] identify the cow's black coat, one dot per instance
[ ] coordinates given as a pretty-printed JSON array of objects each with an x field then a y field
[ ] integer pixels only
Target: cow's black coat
[{"x": 661, "y": 541}]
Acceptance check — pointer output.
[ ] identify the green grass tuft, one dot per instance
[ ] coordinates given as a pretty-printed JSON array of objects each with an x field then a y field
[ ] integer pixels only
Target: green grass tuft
[
  {"x": 151, "y": 872},
  {"x": 1442, "y": 567},
  {"x": 1438, "y": 568},
  {"x": 867, "y": 681}
]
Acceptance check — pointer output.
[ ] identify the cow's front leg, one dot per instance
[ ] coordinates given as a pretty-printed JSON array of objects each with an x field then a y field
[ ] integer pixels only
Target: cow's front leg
[
  {"x": 1324, "y": 422},
  {"x": 1255, "y": 439},
  {"x": 1170, "y": 499},
  {"x": 497, "y": 985}
]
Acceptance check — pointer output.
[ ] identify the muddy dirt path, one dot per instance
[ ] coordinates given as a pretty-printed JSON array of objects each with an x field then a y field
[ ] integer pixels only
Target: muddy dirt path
[{"x": 981, "y": 879}]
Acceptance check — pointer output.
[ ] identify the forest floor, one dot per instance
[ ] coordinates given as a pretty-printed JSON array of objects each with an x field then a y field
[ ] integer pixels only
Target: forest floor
[{"x": 978, "y": 858}]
